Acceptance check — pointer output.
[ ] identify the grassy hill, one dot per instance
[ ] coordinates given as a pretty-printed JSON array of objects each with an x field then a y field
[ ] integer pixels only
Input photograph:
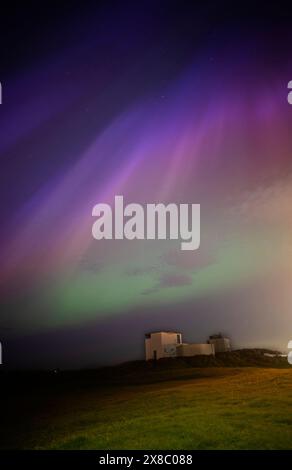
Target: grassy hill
[{"x": 240, "y": 401}]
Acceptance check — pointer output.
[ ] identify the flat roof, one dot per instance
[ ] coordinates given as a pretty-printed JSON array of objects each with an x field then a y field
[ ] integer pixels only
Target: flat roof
[{"x": 167, "y": 332}]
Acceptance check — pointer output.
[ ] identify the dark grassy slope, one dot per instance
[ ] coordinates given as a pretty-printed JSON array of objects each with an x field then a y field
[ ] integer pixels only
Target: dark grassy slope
[
  {"x": 135, "y": 372},
  {"x": 181, "y": 403}
]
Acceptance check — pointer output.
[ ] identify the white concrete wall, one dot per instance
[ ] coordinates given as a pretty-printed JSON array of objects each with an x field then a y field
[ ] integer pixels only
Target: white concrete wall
[
  {"x": 195, "y": 349},
  {"x": 221, "y": 344},
  {"x": 148, "y": 349},
  {"x": 164, "y": 343}
]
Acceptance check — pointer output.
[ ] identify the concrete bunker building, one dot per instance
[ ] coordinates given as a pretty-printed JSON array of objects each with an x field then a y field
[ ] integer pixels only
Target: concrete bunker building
[{"x": 159, "y": 344}]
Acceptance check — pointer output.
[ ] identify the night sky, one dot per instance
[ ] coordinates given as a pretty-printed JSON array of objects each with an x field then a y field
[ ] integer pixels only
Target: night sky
[{"x": 160, "y": 101}]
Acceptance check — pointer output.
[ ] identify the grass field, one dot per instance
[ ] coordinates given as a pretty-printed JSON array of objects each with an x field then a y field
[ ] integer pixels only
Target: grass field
[{"x": 188, "y": 408}]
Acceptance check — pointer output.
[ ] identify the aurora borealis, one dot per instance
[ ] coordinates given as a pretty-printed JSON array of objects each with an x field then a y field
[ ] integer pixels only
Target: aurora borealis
[{"x": 131, "y": 105}]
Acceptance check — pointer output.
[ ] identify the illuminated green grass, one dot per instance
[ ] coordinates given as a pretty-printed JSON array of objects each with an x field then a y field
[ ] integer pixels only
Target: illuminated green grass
[{"x": 221, "y": 408}]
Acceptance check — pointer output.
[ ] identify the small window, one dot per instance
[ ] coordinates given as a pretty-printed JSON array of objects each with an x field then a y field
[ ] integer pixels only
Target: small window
[{"x": 178, "y": 339}]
